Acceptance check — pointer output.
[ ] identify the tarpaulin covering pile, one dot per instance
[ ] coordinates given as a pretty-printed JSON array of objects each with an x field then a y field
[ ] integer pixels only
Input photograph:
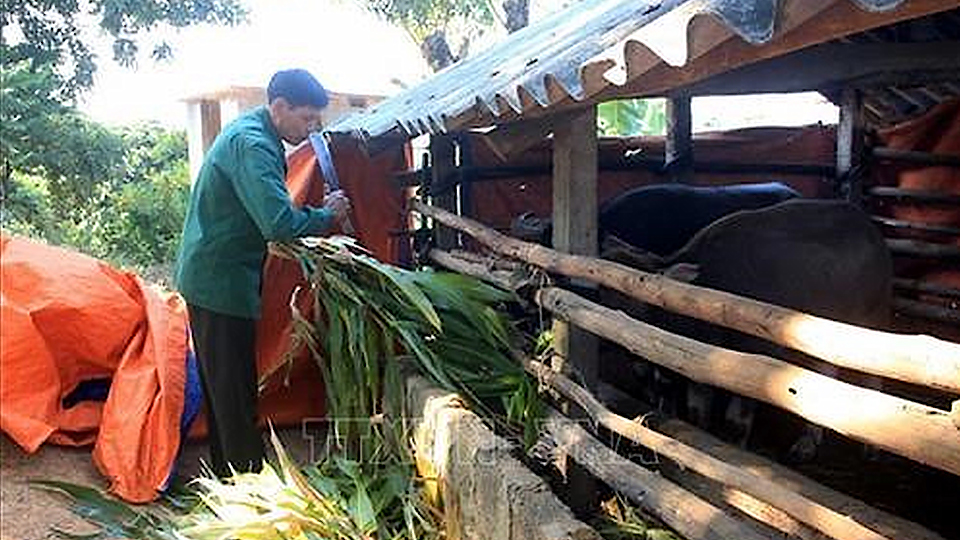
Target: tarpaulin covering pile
[{"x": 69, "y": 320}]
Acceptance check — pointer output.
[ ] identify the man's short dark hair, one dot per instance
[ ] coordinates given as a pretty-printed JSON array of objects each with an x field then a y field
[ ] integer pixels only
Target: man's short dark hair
[{"x": 298, "y": 87}]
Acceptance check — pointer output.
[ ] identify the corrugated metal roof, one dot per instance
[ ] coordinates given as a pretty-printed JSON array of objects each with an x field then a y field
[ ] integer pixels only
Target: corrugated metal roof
[{"x": 576, "y": 54}]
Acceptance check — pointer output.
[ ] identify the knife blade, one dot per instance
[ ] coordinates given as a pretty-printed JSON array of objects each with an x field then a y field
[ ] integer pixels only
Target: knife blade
[{"x": 320, "y": 148}]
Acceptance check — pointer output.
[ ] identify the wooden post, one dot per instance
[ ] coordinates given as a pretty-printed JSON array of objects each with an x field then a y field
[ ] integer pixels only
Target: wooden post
[
  {"x": 575, "y": 225},
  {"x": 465, "y": 188},
  {"x": 678, "y": 150},
  {"x": 575, "y": 231},
  {"x": 850, "y": 146},
  {"x": 443, "y": 155}
]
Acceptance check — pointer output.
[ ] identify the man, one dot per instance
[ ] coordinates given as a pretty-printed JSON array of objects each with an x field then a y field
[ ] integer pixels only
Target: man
[{"x": 238, "y": 204}]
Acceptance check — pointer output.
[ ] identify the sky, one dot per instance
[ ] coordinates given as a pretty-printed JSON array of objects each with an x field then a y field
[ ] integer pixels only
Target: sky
[{"x": 348, "y": 50}]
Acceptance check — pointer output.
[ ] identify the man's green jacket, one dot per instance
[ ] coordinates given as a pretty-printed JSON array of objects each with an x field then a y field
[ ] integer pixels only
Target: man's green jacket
[{"x": 238, "y": 204}]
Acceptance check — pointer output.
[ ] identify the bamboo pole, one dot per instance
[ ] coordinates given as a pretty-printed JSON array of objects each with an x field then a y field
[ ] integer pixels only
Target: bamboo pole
[
  {"x": 683, "y": 511},
  {"x": 917, "y": 359},
  {"x": 912, "y": 430},
  {"x": 884, "y": 523},
  {"x": 802, "y": 509}
]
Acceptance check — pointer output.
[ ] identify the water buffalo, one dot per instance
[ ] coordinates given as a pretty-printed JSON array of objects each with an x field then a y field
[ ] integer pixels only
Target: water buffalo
[
  {"x": 819, "y": 257},
  {"x": 661, "y": 218}
]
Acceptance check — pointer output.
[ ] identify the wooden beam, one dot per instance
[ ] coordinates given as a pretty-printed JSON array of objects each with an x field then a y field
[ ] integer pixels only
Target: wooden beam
[
  {"x": 683, "y": 511},
  {"x": 836, "y": 65},
  {"x": 903, "y": 427},
  {"x": 442, "y": 162},
  {"x": 575, "y": 222},
  {"x": 850, "y": 135},
  {"x": 917, "y": 359},
  {"x": 678, "y": 147},
  {"x": 619, "y": 163},
  {"x": 509, "y": 140}
]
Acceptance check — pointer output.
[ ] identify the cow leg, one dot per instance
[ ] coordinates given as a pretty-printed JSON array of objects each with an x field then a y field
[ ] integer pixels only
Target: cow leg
[
  {"x": 739, "y": 418},
  {"x": 700, "y": 405}
]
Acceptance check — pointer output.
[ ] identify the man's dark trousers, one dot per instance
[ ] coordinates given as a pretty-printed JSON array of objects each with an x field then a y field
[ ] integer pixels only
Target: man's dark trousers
[{"x": 225, "y": 351}]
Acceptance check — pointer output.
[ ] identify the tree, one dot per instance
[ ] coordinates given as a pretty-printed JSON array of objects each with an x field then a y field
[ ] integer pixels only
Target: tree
[
  {"x": 48, "y": 32},
  {"x": 41, "y": 136},
  {"x": 433, "y": 23}
]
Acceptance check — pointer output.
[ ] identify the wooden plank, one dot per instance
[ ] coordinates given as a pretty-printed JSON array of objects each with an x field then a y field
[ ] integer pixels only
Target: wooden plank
[
  {"x": 798, "y": 507},
  {"x": 683, "y": 511},
  {"x": 443, "y": 162},
  {"x": 909, "y": 429},
  {"x": 678, "y": 147},
  {"x": 917, "y": 359},
  {"x": 575, "y": 221},
  {"x": 850, "y": 133}
]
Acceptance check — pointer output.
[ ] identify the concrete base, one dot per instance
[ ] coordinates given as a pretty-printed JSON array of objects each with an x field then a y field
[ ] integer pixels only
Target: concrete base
[{"x": 486, "y": 492}]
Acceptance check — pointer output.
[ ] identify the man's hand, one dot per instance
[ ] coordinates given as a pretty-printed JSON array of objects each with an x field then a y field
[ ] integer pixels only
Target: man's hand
[{"x": 339, "y": 204}]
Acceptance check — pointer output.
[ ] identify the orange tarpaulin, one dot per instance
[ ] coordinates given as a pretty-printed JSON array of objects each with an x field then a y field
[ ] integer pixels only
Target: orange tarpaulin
[{"x": 68, "y": 318}]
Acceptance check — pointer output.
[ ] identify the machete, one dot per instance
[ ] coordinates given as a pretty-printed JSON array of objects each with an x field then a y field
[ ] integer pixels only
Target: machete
[{"x": 319, "y": 143}]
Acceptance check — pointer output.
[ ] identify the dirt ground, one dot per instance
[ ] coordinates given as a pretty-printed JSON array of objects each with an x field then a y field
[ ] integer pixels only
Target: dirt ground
[{"x": 27, "y": 513}]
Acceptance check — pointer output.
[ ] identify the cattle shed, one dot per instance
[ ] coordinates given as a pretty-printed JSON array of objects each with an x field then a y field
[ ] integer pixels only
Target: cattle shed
[{"x": 513, "y": 129}]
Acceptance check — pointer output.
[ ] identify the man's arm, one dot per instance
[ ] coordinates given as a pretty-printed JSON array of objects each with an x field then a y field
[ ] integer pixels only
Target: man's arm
[{"x": 261, "y": 189}]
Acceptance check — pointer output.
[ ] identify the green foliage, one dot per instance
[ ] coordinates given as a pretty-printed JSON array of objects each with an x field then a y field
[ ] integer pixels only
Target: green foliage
[
  {"x": 40, "y": 136},
  {"x": 632, "y": 117},
  {"x": 123, "y": 200},
  {"x": 369, "y": 314},
  {"x": 420, "y": 18},
  {"x": 47, "y": 33}
]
